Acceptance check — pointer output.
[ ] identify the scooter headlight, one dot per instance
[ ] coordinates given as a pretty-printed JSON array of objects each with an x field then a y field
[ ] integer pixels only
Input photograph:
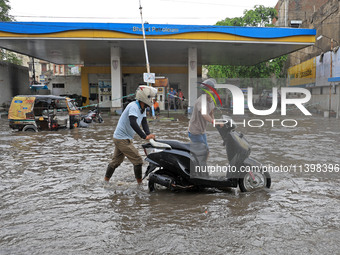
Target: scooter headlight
[{"x": 152, "y": 150}]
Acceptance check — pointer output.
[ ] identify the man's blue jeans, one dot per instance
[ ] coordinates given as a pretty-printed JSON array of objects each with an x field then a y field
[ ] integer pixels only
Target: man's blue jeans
[{"x": 201, "y": 138}]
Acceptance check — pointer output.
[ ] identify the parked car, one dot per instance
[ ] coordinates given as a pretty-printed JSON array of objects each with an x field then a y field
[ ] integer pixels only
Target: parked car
[{"x": 42, "y": 112}]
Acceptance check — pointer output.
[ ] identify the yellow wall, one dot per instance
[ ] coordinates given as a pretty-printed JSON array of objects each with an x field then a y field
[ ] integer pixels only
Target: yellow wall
[{"x": 303, "y": 73}]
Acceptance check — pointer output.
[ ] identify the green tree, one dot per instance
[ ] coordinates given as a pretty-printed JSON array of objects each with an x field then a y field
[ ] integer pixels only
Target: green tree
[
  {"x": 260, "y": 16},
  {"x": 6, "y": 55},
  {"x": 4, "y": 11}
]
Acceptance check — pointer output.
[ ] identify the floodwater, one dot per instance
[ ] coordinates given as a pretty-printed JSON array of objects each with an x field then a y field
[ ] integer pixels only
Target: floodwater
[{"x": 53, "y": 199}]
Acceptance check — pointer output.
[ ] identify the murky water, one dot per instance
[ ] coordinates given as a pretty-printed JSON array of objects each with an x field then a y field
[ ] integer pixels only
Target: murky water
[{"x": 53, "y": 199}]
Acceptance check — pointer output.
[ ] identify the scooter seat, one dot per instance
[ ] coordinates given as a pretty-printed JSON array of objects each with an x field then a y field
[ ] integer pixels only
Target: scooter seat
[{"x": 199, "y": 149}]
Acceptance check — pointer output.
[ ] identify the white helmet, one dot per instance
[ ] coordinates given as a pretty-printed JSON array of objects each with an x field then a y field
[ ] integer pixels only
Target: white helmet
[
  {"x": 146, "y": 94},
  {"x": 210, "y": 82}
]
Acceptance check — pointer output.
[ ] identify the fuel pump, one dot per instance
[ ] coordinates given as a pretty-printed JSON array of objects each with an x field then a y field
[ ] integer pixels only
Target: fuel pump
[
  {"x": 104, "y": 93},
  {"x": 161, "y": 98},
  {"x": 161, "y": 84}
]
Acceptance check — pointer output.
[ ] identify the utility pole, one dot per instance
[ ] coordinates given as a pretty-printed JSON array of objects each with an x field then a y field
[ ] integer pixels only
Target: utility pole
[
  {"x": 33, "y": 71},
  {"x": 144, "y": 39},
  {"x": 331, "y": 75}
]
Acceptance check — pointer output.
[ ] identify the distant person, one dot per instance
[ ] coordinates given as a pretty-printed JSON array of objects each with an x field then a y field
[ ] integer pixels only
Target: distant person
[
  {"x": 172, "y": 97},
  {"x": 180, "y": 98},
  {"x": 156, "y": 107}
]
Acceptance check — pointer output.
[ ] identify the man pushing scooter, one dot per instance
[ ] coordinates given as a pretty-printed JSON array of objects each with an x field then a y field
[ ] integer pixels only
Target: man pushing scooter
[{"x": 128, "y": 125}]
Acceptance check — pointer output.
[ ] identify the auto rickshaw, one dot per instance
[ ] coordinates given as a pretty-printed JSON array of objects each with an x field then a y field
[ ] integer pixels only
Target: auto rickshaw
[{"x": 42, "y": 112}]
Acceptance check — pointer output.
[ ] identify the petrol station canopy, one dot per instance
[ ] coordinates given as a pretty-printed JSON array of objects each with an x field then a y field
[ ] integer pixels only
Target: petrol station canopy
[{"x": 90, "y": 43}]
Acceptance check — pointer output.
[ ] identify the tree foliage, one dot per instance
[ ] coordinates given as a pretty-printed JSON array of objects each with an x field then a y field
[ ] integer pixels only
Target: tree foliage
[
  {"x": 260, "y": 16},
  {"x": 267, "y": 69},
  {"x": 4, "y": 11},
  {"x": 6, "y": 55}
]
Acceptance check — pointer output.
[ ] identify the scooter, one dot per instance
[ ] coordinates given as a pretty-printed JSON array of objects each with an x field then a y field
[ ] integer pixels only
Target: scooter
[
  {"x": 92, "y": 115},
  {"x": 183, "y": 166}
]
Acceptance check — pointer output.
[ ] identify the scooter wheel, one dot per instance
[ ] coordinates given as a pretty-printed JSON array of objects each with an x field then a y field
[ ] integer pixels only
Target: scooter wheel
[
  {"x": 151, "y": 186},
  {"x": 254, "y": 181},
  {"x": 159, "y": 181},
  {"x": 30, "y": 128}
]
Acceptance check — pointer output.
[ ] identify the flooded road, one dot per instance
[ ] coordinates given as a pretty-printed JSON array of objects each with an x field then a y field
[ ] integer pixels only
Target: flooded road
[{"x": 53, "y": 199}]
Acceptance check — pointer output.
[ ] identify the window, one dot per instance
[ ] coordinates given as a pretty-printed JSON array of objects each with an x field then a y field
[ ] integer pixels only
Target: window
[
  {"x": 71, "y": 105},
  {"x": 60, "y": 104},
  {"x": 58, "y": 85},
  {"x": 43, "y": 67}
]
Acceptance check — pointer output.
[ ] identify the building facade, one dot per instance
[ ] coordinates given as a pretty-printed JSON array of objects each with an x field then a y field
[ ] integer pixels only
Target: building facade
[{"x": 314, "y": 67}]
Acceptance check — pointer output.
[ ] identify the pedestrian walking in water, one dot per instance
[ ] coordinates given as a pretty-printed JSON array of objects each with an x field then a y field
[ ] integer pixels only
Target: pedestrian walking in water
[{"x": 128, "y": 125}]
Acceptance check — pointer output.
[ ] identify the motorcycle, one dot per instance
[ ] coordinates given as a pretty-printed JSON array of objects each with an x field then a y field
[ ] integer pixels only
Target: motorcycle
[
  {"x": 92, "y": 115},
  {"x": 174, "y": 165}
]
